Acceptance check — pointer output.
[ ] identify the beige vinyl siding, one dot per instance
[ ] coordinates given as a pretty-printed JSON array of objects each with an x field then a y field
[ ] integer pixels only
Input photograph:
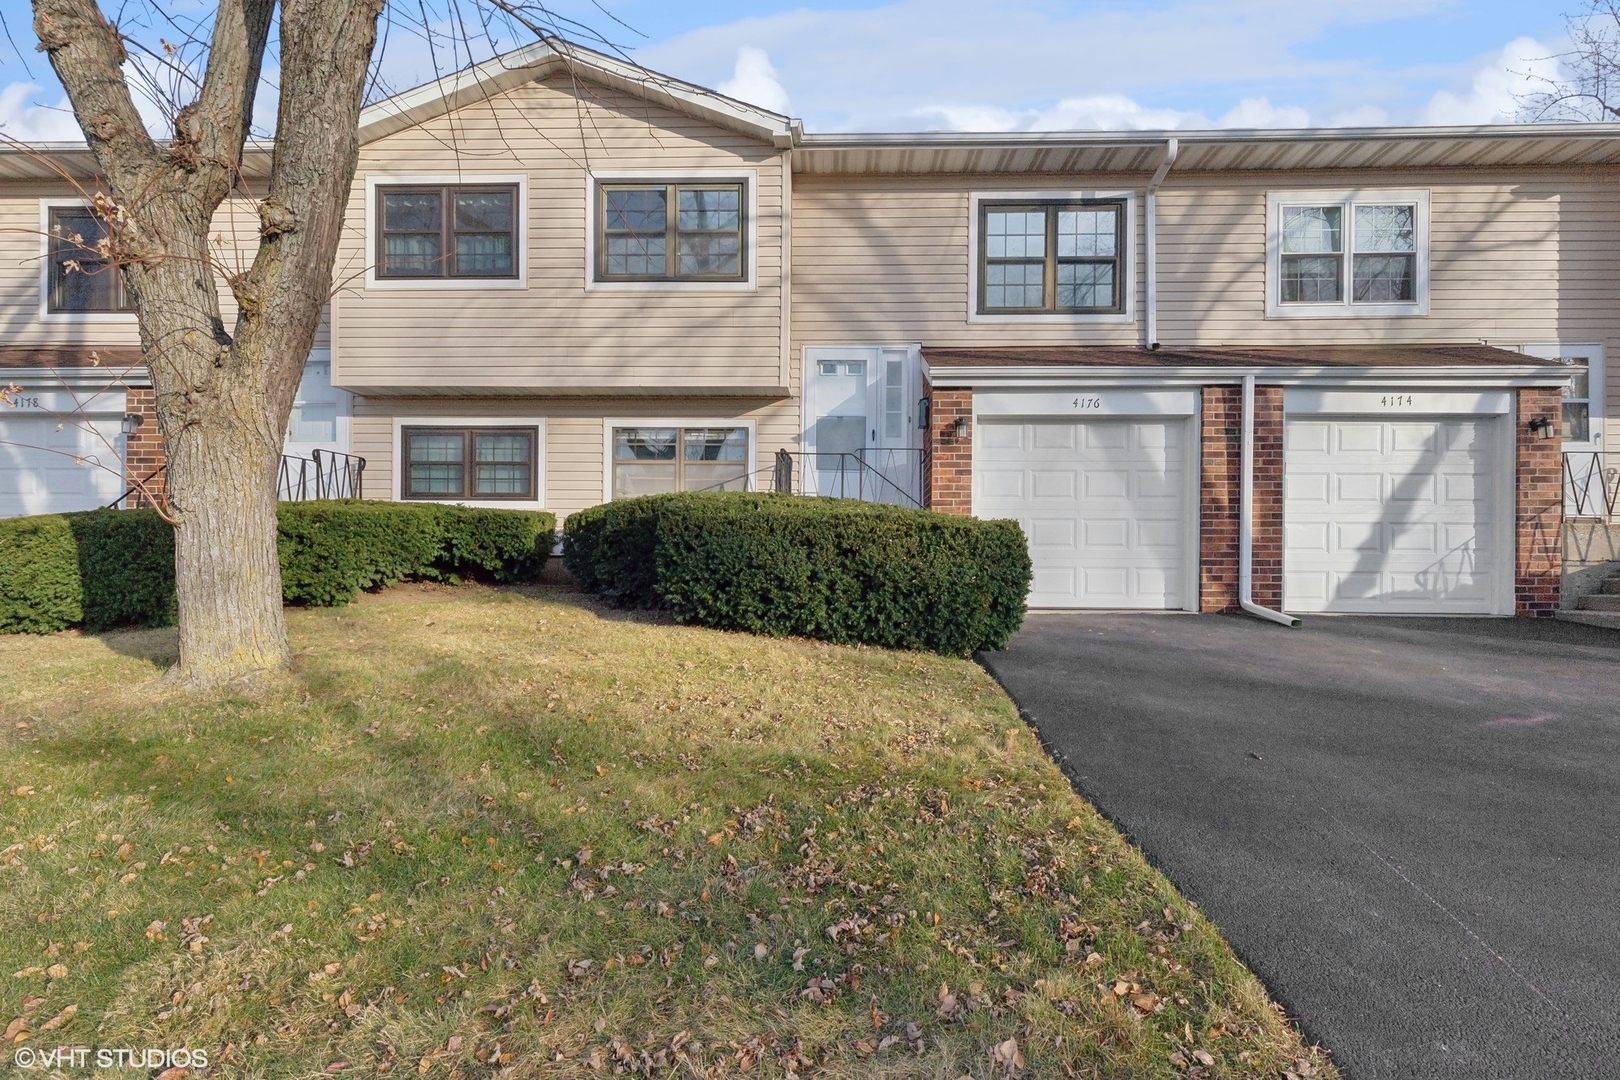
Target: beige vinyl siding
[
  {"x": 556, "y": 332},
  {"x": 234, "y": 244},
  {"x": 574, "y": 434},
  {"x": 879, "y": 260},
  {"x": 1516, "y": 257}
]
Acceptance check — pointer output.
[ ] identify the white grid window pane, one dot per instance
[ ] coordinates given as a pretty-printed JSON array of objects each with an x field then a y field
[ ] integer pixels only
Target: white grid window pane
[
  {"x": 1312, "y": 279},
  {"x": 635, "y": 254},
  {"x": 484, "y": 255},
  {"x": 1312, "y": 230},
  {"x": 1087, "y": 233},
  {"x": 1385, "y": 279},
  {"x": 1382, "y": 229},
  {"x": 709, "y": 210},
  {"x": 436, "y": 464},
  {"x": 1015, "y": 234},
  {"x": 1085, "y": 285},
  {"x": 1014, "y": 285},
  {"x": 710, "y": 253}
]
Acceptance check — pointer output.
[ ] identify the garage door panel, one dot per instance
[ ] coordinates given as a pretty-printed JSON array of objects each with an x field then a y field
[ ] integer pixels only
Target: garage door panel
[
  {"x": 1051, "y": 484},
  {"x": 1410, "y": 515},
  {"x": 1051, "y": 532},
  {"x": 50, "y": 466},
  {"x": 1101, "y": 501}
]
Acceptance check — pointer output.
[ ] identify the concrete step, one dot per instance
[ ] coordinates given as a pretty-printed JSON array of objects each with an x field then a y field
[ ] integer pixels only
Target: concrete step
[
  {"x": 1611, "y": 587},
  {"x": 1609, "y": 620},
  {"x": 1599, "y": 602}
]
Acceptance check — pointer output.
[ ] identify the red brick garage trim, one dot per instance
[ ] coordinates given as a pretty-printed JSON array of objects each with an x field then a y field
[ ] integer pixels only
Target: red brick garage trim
[{"x": 1538, "y": 504}]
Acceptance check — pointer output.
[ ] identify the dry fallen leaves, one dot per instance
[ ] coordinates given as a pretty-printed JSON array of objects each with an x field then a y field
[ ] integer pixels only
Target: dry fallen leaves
[{"x": 1007, "y": 1057}]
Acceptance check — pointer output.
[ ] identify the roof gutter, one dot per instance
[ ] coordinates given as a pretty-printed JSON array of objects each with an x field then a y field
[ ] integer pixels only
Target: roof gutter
[
  {"x": 1150, "y": 213},
  {"x": 1246, "y": 520}
]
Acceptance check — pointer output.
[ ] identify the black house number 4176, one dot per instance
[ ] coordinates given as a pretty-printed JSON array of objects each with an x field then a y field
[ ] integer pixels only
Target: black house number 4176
[{"x": 1088, "y": 403}]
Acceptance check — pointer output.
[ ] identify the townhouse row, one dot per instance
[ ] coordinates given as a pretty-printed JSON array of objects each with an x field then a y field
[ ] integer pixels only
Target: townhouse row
[{"x": 1323, "y": 371}]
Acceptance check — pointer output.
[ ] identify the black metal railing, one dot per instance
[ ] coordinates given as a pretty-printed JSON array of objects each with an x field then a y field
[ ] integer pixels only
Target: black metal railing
[
  {"x": 875, "y": 474},
  {"x": 140, "y": 489},
  {"x": 325, "y": 474},
  {"x": 1591, "y": 488}
]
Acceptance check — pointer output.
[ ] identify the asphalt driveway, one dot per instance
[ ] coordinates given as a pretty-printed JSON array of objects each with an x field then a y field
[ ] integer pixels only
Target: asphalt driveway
[{"x": 1409, "y": 828}]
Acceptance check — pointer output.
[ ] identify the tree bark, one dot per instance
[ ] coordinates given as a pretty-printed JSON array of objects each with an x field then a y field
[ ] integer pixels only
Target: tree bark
[{"x": 223, "y": 395}]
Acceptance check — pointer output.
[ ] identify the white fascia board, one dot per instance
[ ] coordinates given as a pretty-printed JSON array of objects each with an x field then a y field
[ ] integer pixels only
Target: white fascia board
[
  {"x": 110, "y": 377},
  {"x": 985, "y": 378},
  {"x": 539, "y": 60}
]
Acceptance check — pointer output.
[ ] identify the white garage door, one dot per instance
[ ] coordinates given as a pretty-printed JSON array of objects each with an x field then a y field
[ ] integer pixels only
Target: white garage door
[
  {"x": 1397, "y": 516},
  {"x": 48, "y": 465},
  {"x": 1103, "y": 503}
]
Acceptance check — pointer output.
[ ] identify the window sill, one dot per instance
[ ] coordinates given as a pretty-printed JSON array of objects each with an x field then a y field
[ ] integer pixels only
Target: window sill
[
  {"x": 479, "y": 504},
  {"x": 128, "y": 317},
  {"x": 1068, "y": 318},
  {"x": 592, "y": 285},
  {"x": 444, "y": 284},
  {"x": 1346, "y": 311}
]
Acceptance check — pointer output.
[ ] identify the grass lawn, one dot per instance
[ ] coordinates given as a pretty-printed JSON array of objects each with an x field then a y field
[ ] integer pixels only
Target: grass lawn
[{"x": 508, "y": 833}]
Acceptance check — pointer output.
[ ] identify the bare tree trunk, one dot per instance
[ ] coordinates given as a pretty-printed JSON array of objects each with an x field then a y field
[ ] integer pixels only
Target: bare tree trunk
[{"x": 223, "y": 395}]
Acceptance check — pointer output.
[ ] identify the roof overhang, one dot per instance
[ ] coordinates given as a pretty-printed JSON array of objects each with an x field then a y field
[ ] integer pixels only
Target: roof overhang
[
  {"x": 1502, "y": 145},
  {"x": 543, "y": 59},
  {"x": 1050, "y": 367}
]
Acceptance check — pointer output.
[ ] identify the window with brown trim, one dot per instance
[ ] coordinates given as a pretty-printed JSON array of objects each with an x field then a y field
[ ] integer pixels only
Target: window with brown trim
[
  {"x": 447, "y": 231},
  {"x": 671, "y": 232},
  {"x": 82, "y": 277},
  {"x": 469, "y": 463},
  {"x": 1051, "y": 257}
]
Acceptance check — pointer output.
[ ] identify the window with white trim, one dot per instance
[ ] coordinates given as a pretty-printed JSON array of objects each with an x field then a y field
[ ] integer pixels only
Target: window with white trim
[
  {"x": 655, "y": 459},
  {"x": 83, "y": 278},
  {"x": 498, "y": 463},
  {"x": 1051, "y": 257},
  {"x": 1348, "y": 253}
]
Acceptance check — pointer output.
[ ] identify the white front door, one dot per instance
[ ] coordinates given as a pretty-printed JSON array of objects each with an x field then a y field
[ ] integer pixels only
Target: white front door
[
  {"x": 1396, "y": 516},
  {"x": 1590, "y": 481},
  {"x": 1104, "y": 504},
  {"x": 56, "y": 464},
  {"x": 861, "y": 426},
  {"x": 320, "y": 413}
]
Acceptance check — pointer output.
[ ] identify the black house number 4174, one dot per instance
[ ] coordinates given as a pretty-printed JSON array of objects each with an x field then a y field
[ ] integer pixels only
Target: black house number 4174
[{"x": 1395, "y": 401}]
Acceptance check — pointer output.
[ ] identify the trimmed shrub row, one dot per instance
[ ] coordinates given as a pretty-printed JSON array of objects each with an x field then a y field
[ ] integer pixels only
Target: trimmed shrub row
[
  {"x": 110, "y": 568},
  {"x": 833, "y": 569}
]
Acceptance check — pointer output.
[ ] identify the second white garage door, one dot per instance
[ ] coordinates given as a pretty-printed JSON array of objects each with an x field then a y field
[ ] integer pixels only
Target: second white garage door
[
  {"x": 1394, "y": 516},
  {"x": 51, "y": 465},
  {"x": 1103, "y": 503}
]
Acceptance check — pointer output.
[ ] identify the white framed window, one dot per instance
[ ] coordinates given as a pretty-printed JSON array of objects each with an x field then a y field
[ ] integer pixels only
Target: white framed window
[
  {"x": 488, "y": 461},
  {"x": 657, "y": 230},
  {"x": 1051, "y": 256},
  {"x": 1347, "y": 254},
  {"x": 658, "y": 456},
  {"x": 1583, "y": 397},
  {"x": 76, "y": 284},
  {"x": 448, "y": 231}
]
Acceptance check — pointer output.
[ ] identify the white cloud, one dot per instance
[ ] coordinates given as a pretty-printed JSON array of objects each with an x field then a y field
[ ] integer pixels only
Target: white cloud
[
  {"x": 754, "y": 80},
  {"x": 912, "y": 63},
  {"x": 1360, "y": 116},
  {"x": 1259, "y": 112},
  {"x": 1522, "y": 67},
  {"x": 23, "y": 118}
]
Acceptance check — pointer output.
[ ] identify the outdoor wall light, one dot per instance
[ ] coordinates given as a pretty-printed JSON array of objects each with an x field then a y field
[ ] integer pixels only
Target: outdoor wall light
[
  {"x": 959, "y": 428},
  {"x": 1541, "y": 427},
  {"x": 132, "y": 422}
]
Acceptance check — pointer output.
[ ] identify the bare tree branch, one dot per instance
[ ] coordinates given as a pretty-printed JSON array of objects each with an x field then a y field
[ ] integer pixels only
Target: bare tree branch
[{"x": 1592, "y": 89}]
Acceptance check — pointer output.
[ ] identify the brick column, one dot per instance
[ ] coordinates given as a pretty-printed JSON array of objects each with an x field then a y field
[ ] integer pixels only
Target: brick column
[
  {"x": 143, "y": 451},
  {"x": 1538, "y": 467},
  {"x": 1268, "y": 495},
  {"x": 1220, "y": 459},
  {"x": 1220, "y": 495},
  {"x": 948, "y": 479}
]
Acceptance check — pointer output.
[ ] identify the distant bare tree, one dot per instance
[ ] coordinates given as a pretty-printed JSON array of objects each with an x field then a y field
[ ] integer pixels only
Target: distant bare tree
[{"x": 1592, "y": 90}]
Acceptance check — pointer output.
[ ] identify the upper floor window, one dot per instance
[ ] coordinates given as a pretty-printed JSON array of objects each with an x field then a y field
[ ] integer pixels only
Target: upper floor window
[
  {"x": 1348, "y": 253},
  {"x": 1051, "y": 257},
  {"x": 693, "y": 231},
  {"x": 82, "y": 276},
  {"x": 447, "y": 231}
]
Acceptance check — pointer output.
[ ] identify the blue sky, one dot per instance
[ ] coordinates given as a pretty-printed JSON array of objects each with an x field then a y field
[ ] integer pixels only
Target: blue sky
[{"x": 1030, "y": 64}]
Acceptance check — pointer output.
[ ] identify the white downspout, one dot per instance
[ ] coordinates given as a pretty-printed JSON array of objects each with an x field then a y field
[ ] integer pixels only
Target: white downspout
[
  {"x": 1150, "y": 213},
  {"x": 1246, "y": 519}
]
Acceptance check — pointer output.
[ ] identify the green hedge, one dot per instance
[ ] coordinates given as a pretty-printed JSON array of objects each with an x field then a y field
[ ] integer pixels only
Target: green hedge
[
  {"x": 833, "y": 569},
  {"x": 109, "y": 568}
]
